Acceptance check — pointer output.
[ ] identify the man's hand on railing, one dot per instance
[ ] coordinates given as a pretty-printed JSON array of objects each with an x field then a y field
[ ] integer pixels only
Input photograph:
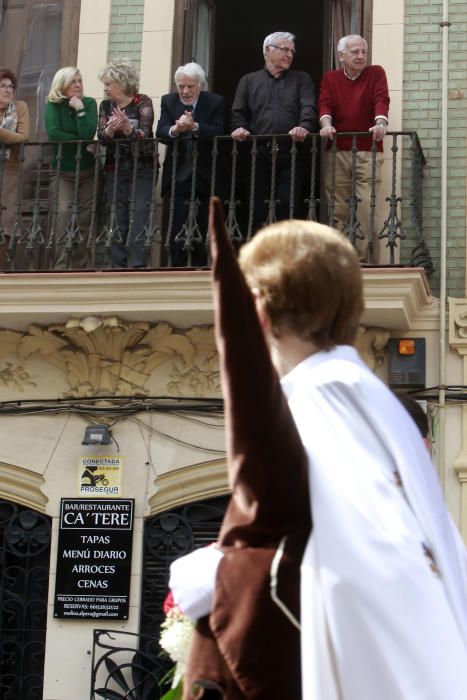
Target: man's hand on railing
[
  {"x": 240, "y": 134},
  {"x": 379, "y": 131},
  {"x": 327, "y": 132},
  {"x": 298, "y": 133}
]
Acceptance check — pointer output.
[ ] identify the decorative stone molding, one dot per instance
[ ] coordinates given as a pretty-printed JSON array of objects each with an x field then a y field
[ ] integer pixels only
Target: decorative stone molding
[
  {"x": 22, "y": 486},
  {"x": 106, "y": 356},
  {"x": 370, "y": 343},
  {"x": 396, "y": 298},
  {"x": 111, "y": 357},
  {"x": 196, "y": 482}
]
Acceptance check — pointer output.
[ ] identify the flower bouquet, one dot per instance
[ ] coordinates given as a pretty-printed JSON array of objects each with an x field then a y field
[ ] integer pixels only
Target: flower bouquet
[{"x": 176, "y": 633}]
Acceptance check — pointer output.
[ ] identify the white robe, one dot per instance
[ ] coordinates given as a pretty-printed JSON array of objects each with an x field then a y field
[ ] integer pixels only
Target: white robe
[{"x": 377, "y": 622}]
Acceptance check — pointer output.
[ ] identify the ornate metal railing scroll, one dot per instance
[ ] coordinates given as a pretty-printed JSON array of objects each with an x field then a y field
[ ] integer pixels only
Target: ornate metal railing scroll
[
  {"x": 24, "y": 582},
  {"x": 264, "y": 179}
]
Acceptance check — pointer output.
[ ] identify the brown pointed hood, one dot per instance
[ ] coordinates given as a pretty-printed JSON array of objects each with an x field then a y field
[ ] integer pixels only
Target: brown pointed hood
[
  {"x": 248, "y": 649},
  {"x": 266, "y": 460}
]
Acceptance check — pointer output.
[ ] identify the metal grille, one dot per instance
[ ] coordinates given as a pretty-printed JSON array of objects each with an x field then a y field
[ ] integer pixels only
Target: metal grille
[
  {"x": 166, "y": 537},
  {"x": 24, "y": 583},
  {"x": 133, "y": 666}
]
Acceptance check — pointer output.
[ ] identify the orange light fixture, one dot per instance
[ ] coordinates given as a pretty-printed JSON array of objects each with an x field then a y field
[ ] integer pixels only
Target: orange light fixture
[{"x": 407, "y": 346}]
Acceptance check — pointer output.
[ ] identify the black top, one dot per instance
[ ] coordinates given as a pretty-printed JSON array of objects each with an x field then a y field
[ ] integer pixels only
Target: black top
[
  {"x": 267, "y": 105},
  {"x": 141, "y": 115}
]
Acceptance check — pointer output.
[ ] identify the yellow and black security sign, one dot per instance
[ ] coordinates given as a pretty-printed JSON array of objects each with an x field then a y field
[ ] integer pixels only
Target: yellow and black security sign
[{"x": 100, "y": 476}]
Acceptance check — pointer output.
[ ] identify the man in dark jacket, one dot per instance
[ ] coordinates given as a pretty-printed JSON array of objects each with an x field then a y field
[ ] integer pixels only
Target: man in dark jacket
[
  {"x": 275, "y": 100},
  {"x": 190, "y": 119}
]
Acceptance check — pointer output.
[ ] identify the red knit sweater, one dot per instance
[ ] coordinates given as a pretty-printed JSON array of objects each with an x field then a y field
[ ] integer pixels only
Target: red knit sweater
[{"x": 354, "y": 104}]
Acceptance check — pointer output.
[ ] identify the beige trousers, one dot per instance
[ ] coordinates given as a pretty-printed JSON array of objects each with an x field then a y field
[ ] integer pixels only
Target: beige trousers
[
  {"x": 343, "y": 191},
  {"x": 8, "y": 196},
  {"x": 78, "y": 256}
]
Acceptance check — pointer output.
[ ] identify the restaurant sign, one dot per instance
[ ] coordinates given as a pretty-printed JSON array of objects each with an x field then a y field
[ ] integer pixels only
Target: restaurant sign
[{"x": 94, "y": 558}]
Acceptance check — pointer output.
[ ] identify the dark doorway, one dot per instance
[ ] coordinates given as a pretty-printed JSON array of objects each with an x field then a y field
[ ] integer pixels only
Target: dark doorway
[
  {"x": 226, "y": 37},
  {"x": 241, "y": 26},
  {"x": 24, "y": 571}
]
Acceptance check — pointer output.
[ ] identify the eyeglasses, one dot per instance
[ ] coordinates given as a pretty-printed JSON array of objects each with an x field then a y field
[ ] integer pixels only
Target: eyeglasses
[
  {"x": 284, "y": 49},
  {"x": 9, "y": 86}
]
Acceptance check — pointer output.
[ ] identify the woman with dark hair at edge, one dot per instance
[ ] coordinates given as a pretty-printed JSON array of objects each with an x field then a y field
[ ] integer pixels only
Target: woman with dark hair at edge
[{"x": 14, "y": 129}]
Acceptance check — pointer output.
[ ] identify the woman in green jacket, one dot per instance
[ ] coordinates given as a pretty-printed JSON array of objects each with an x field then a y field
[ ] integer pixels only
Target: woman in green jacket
[{"x": 69, "y": 116}]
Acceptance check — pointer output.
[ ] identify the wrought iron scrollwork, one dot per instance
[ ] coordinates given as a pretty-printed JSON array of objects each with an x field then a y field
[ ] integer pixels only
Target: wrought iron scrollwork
[
  {"x": 270, "y": 177},
  {"x": 169, "y": 536},
  {"x": 123, "y": 670},
  {"x": 420, "y": 255},
  {"x": 25, "y": 553}
]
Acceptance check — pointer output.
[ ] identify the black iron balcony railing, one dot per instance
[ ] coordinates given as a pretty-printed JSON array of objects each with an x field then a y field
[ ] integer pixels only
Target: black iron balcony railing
[{"x": 125, "y": 211}]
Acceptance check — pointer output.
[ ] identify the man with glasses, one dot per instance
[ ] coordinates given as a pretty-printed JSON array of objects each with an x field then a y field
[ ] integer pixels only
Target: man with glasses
[{"x": 275, "y": 100}]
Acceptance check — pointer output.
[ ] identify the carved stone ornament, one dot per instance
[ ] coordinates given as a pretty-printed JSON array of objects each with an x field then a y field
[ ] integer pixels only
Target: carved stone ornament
[
  {"x": 12, "y": 376},
  {"x": 458, "y": 325},
  {"x": 111, "y": 357},
  {"x": 370, "y": 343}
]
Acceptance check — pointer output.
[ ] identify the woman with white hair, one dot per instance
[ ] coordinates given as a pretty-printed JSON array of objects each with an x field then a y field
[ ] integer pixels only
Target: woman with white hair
[
  {"x": 125, "y": 119},
  {"x": 70, "y": 116}
]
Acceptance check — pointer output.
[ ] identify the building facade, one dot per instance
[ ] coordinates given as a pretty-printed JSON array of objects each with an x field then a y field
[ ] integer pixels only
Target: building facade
[{"x": 135, "y": 351}]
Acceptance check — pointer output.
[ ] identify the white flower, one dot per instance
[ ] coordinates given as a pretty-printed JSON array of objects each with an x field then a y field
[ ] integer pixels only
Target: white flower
[{"x": 176, "y": 633}]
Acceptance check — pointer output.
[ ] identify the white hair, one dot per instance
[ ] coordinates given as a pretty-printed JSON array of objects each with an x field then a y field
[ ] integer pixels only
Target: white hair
[
  {"x": 342, "y": 44},
  {"x": 191, "y": 70},
  {"x": 274, "y": 38}
]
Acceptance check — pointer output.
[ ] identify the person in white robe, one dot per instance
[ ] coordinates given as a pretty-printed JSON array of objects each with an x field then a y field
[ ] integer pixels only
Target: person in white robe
[{"x": 383, "y": 579}]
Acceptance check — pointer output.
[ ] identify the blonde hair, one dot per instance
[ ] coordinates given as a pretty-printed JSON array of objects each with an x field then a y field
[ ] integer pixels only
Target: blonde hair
[
  {"x": 308, "y": 278},
  {"x": 61, "y": 80},
  {"x": 122, "y": 73}
]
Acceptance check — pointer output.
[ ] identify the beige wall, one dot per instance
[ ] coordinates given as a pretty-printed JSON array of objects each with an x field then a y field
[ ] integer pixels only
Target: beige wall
[
  {"x": 388, "y": 51},
  {"x": 93, "y": 42},
  {"x": 49, "y": 448},
  {"x": 156, "y": 55}
]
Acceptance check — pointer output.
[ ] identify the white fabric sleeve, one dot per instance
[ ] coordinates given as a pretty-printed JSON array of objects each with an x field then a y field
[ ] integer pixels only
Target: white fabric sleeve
[{"x": 193, "y": 580}]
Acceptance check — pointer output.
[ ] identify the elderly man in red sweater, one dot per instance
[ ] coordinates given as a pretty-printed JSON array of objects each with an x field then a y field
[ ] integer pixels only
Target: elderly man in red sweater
[{"x": 353, "y": 98}]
